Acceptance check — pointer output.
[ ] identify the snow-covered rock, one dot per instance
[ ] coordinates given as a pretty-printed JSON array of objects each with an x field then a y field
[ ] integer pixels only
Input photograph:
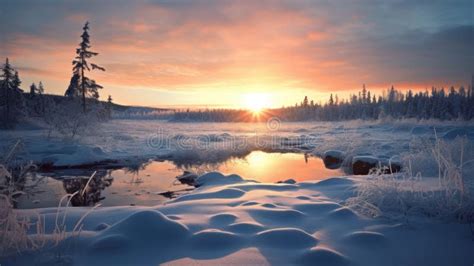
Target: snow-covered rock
[
  {"x": 287, "y": 181},
  {"x": 216, "y": 178},
  {"x": 333, "y": 158},
  {"x": 391, "y": 165},
  {"x": 361, "y": 165},
  {"x": 187, "y": 178}
]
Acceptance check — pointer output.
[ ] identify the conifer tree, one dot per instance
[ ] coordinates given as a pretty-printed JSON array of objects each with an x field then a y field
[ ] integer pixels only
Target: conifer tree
[
  {"x": 11, "y": 98},
  {"x": 80, "y": 85},
  {"x": 40, "y": 88},
  {"x": 33, "y": 90},
  {"x": 109, "y": 106}
]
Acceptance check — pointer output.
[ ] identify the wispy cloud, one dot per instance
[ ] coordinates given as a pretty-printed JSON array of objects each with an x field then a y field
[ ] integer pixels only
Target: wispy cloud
[{"x": 232, "y": 46}]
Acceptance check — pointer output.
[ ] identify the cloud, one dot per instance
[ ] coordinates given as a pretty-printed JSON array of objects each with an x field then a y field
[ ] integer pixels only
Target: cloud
[{"x": 185, "y": 45}]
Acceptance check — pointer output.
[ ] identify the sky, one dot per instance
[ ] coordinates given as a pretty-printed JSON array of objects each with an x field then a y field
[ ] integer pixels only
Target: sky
[{"x": 222, "y": 53}]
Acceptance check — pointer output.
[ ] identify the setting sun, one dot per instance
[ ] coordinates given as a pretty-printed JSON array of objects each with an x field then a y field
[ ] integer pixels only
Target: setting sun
[{"x": 256, "y": 101}]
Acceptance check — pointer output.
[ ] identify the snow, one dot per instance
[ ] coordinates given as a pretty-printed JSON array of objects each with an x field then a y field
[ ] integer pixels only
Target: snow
[
  {"x": 228, "y": 219},
  {"x": 459, "y": 132},
  {"x": 129, "y": 141},
  {"x": 247, "y": 223}
]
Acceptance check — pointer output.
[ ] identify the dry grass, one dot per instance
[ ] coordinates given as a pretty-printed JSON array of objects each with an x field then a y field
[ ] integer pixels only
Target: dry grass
[
  {"x": 407, "y": 194},
  {"x": 19, "y": 233}
]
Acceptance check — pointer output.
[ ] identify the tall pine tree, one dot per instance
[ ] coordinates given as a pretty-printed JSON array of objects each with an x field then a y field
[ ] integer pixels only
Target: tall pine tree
[
  {"x": 11, "y": 97},
  {"x": 80, "y": 85},
  {"x": 33, "y": 90}
]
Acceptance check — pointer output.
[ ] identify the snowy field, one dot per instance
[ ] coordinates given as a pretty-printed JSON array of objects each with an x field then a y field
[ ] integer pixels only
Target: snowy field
[
  {"x": 129, "y": 141},
  {"x": 229, "y": 220}
]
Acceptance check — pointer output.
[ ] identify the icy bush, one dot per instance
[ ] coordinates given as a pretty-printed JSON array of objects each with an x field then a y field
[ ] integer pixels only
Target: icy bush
[
  {"x": 409, "y": 193},
  {"x": 14, "y": 228},
  {"x": 68, "y": 119},
  {"x": 26, "y": 232}
]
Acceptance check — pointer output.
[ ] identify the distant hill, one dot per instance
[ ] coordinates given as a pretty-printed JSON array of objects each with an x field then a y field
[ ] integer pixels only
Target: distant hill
[{"x": 115, "y": 107}]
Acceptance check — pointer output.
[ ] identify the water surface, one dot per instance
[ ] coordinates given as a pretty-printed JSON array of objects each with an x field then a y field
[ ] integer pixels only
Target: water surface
[{"x": 154, "y": 182}]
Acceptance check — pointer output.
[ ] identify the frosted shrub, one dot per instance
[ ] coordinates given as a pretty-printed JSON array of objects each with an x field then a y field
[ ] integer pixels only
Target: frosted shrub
[
  {"x": 14, "y": 228},
  {"x": 402, "y": 195},
  {"x": 69, "y": 120},
  {"x": 27, "y": 232}
]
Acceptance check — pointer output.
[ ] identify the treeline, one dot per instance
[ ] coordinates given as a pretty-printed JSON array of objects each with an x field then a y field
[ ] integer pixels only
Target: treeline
[
  {"x": 434, "y": 104},
  {"x": 215, "y": 115}
]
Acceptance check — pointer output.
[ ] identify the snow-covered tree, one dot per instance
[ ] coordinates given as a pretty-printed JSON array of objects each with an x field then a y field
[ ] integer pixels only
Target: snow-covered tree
[
  {"x": 80, "y": 85},
  {"x": 108, "y": 107},
  {"x": 36, "y": 101},
  {"x": 33, "y": 90},
  {"x": 40, "y": 88},
  {"x": 11, "y": 96}
]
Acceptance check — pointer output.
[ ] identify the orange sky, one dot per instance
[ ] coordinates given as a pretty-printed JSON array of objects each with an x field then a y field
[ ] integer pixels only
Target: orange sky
[{"x": 216, "y": 53}]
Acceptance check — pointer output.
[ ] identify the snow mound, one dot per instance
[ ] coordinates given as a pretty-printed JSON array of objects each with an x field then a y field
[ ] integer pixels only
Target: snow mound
[
  {"x": 250, "y": 203},
  {"x": 144, "y": 227},
  {"x": 245, "y": 228},
  {"x": 111, "y": 242},
  {"x": 222, "y": 219},
  {"x": 226, "y": 193},
  {"x": 335, "y": 181},
  {"x": 212, "y": 239},
  {"x": 316, "y": 208},
  {"x": 275, "y": 216},
  {"x": 323, "y": 256},
  {"x": 285, "y": 238},
  {"x": 216, "y": 178},
  {"x": 270, "y": 187},
  {"x": 303, "y": 198},
  {"x": 343, "y": 213},
  {"x": 365, "y": 238}
]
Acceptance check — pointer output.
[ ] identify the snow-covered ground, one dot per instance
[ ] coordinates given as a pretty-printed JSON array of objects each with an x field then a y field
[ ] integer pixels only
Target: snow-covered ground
[
  {"x": 140, "y": 140},
  {"x": 231, "y": 221}
]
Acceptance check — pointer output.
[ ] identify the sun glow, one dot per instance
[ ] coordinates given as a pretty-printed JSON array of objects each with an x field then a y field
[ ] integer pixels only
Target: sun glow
[{"x": 256, "y": 102}]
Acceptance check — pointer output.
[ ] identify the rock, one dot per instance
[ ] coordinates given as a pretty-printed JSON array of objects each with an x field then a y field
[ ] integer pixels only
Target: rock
[
  {"x": 392, "y": 165},
  {"x": 333, "y": 159},
  {"x": 187, "y": 178},
  {"x": 288, "y": 181},
  {"x": 361, "y": 165},
  {"x": 216, "y": 178}
]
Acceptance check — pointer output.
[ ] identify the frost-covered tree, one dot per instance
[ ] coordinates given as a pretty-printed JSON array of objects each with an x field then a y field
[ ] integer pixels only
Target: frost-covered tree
[
  {"x": 17, "y": 81},
  {"x": 11, "y": 96},
  {"x": 364, "y": 94},
  {"x": 36, "y": 101},
  {"x": 40, "y": 88},
  {"x": 305, "y": 101},
  {"x": 33, "y": 90},
  {"x": 108, "y": 107},
  {"x": 80, "y": 85},
  {"x": 393, "y": 103}
]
